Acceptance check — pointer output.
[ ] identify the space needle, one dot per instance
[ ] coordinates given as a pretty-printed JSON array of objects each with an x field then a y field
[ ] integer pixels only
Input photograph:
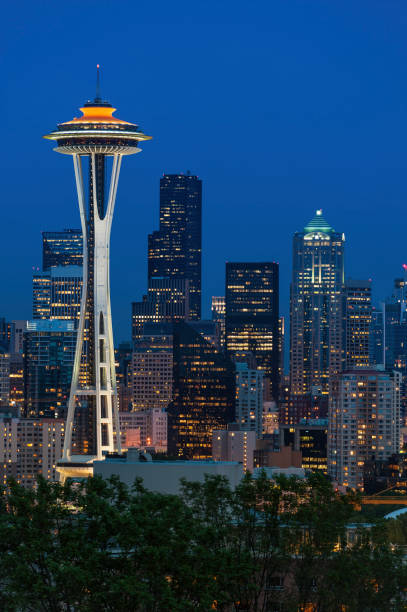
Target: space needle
[{"x": 99, "y": 140}]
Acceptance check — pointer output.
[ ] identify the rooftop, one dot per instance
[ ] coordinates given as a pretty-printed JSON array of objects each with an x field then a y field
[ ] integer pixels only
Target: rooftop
[{"x": 318, "y": 224}]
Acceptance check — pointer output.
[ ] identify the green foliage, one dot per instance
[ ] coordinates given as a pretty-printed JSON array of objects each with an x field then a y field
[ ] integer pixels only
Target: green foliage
[{"x": 99, "y": 546}]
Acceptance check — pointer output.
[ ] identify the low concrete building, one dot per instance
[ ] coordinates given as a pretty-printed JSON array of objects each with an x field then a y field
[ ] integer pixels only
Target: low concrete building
[{"x": 164, "y": 476}]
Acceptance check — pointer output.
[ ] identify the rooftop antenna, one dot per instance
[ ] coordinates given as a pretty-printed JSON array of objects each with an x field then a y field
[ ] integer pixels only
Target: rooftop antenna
[{"x": 98, "y": 97}]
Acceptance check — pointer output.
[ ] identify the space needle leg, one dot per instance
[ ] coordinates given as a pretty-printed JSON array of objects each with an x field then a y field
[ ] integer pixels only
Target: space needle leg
[{"x": 79, "y": 338}]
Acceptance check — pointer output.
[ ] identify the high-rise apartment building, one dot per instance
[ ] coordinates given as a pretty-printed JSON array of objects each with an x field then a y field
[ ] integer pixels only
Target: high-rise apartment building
[
  {"x": 251, "y": 324},
  {"x": 57, "y": 293},
  {"x": 203, "y": 394},
  {"x": 249, "y": 399},
  {"x": 29, "y": 448},
  {"x": 357, "y": 318},
  {"x": 315, "y": 309},
  {"x": 49, "y": 350},
  {"x": 175, "y": 249},
  {"x": 167, "y": 300},
  {"x": 62, "y": 248},
  {"x": 364, "y": 422},
  {"x": 218, "y": 308}
]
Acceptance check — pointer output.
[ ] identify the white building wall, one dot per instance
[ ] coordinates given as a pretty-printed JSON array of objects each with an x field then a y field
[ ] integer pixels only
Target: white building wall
[{"x": 164, "y": 476}]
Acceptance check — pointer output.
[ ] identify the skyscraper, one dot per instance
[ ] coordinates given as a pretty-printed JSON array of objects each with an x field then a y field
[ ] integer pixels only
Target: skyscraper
[
  {"x": 251, "y": 323},
  {"x": 357, "y": 317},
  {"x": 167, "y": 300},
  {"x": 175, "y": 249},
  {"x": 49, "y": 349},
  {"x": 218, "y": 308},
  {"x": 152, "y": 368},
  {"x": 203, "y": 394},
  {"x": 57, "y": 293},
  {"x": 364, "y": 422},
  {"x": 315, "y": 309},
  {"x": 62, "y": 248},
  {"x": 95, "y": 136}
]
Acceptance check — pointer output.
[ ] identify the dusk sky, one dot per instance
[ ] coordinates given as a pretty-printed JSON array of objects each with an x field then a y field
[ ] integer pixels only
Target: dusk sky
[{"x": 280, "y": 106}]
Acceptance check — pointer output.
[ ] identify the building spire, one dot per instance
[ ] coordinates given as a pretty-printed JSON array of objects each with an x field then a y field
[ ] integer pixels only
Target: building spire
[{"x": 98, "y": 97}]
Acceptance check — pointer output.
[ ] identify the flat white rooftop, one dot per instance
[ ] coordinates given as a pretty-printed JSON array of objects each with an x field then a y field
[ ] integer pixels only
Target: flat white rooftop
[{"x": 164, "y": 476}]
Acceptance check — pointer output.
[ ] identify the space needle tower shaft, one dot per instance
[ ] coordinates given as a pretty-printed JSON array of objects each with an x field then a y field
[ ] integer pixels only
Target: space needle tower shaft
[{"x": 93, "y": 139}]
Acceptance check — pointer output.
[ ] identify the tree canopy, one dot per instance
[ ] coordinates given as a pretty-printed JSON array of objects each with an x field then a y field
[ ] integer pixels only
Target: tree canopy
[{"x": 264, "y": 546}]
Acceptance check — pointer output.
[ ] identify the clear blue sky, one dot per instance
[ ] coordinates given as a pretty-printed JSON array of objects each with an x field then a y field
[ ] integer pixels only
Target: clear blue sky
[{"x": 280, "y": 106}]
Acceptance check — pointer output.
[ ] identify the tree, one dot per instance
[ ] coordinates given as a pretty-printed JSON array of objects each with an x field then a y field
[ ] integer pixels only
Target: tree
[{"x": 265, "y": 545}]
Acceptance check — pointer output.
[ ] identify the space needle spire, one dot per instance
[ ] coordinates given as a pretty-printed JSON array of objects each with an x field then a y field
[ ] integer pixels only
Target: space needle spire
[{"x": 93, "y": 139}]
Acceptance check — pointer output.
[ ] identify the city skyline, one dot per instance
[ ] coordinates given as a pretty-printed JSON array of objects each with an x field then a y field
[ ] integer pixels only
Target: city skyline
[{"x": 340, "y": 148}]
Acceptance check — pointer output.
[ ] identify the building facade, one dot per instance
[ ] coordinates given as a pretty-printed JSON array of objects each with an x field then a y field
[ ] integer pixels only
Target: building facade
[
  {"x": 175, "y": 249},
  {"x": 252, "y": 320},
  {"x": 357, "y": 320},
  {"x": 236, "y": 445},
  {"x": 4, "y": 378},
  {"x": 151, "y": 371},
  {"x": 49, "y": 350},
  {"x": 30, "y": 448},
  {"x": 315, "y": 307},
  {"x": 364, "y": 422},
  {"x": 218, "y": 308},
  {"x": 310, "y": 437},
  {"x": 63, "y": 248},
  {"x": 57, "y": 293},
  {"x": 203, "y": 394},
  {"x": 249, "y": 399},
  {"x": 151, "y": 425},
  {"x": 167, "y": 300}
]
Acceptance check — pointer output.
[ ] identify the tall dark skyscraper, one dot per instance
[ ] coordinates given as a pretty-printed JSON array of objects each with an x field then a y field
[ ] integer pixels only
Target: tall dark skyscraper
[
  {"x": 357, "y": 318},
  {"x": 204, "y": 387},
  {"x": 251, "y": 323},
  {"x": 62, "y": 248},
  {"x": 175, "y": 249},
  {"x": 316, "y": 321}
]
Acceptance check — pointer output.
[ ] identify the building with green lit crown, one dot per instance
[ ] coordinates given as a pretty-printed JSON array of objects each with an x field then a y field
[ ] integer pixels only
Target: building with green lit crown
[{"x": 315, "y": 307}]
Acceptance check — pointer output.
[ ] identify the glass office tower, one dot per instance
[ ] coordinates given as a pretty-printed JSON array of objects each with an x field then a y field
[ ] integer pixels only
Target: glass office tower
[
  {"x": 316, "y": 322},
  {"x": 175, "y": 249},
  {"x": 252, "y": 322}
]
